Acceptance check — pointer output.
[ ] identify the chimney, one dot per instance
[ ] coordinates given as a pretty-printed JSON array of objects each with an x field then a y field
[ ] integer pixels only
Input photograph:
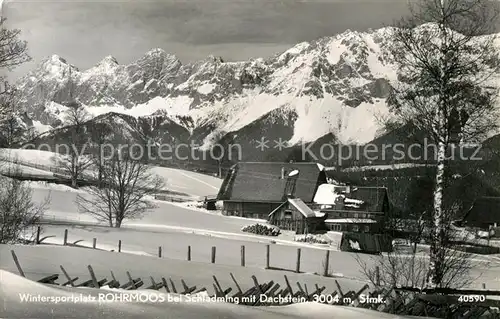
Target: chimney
[{"x": 339, "y": 202}]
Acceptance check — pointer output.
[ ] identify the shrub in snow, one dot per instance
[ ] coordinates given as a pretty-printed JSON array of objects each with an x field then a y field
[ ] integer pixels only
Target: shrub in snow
[
  {"x": 262, "y": 229},
  {"x": 195, "y": 204},
  {"x": 312, "y": 239}
]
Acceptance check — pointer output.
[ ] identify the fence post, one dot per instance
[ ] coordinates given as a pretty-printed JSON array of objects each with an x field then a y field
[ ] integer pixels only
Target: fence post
[
  {"x": 120, "y": 246},
  {"x": 377, "y": 276},
  {"x": 94, "y": 242},
  {"x": 159, "y": 251},
  {"x": 95, "y": 283},
  {"x": 38, "y": 230},
  {"x": 327, "y": 264},
  {"x": 268, "y": 255},
  {"x": 189, "y": 253},
  {"x": 297, "y": 268},
  {"x": 484, "y": 285},
  {"x": 18, "y": 265},
  {"x": 242, "y": 252},
  {"x": 65, "y": 241},
  {"x": 213, "y": 254}
]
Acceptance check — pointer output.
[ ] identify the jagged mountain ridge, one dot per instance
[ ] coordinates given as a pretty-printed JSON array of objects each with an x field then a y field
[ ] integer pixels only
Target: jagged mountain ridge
[{"x": 331, "y": 85}]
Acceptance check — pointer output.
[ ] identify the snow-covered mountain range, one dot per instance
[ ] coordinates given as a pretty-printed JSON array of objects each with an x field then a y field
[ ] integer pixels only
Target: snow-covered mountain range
[{"x": 334, "y": 85}]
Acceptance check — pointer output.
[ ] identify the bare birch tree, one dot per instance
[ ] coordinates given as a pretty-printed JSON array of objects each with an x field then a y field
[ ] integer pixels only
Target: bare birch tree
[
  {"x": 409, "y": 266},
  {"x": 446, "y": 57},
  {"x": 129, "y": 185}
]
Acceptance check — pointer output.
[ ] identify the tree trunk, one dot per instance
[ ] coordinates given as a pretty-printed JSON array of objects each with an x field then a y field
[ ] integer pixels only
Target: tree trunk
[
  {"x": 436, "y": 256},
  {"x": 437, "y": 231},
  {"x": 74, "y": 173}
]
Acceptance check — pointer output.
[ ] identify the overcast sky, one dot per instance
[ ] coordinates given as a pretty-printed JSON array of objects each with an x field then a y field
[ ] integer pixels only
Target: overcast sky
[{"x": 84, "y": 32}]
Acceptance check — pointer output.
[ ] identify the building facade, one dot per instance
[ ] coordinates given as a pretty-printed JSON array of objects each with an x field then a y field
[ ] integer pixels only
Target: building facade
[
  {"x": 254, "y": 189},
  {"x": 357, "y": 209}
]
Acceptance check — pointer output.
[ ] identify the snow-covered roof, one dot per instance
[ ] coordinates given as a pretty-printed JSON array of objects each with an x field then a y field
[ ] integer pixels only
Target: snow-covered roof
[
  {"x": 372, "y": 199},
  {"x": 262, "y": 182},
  {"x": 351, "y": 221},
  {"x": 302, "y": 207},
  {"x": 326, "y": 194},
  {"x": 305, "y": 210},
  {"x": 319, "y": 214}
]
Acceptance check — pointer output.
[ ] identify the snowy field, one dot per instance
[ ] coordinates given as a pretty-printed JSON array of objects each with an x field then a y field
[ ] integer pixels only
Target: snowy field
[
  {"x": 43, "y": 260},
  {"x": 13, "y": 286},
  {"x": 63, "y": 207},
  {"x": 174, "y": 245},
  {"x": 282, "y": 255},
  {"x": 191, "y": 183},
  {"x": 175, "y": 227}
]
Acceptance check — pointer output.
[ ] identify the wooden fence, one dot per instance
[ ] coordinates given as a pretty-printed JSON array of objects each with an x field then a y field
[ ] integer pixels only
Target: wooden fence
[
  {"x": 170, "y": 198},
  {"x": 326, "y": 271},
  {"x": 400, "y": 301}
]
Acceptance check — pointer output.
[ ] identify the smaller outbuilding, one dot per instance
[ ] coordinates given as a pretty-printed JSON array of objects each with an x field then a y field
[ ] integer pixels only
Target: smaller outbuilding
[{"x": 294, "y": 214}]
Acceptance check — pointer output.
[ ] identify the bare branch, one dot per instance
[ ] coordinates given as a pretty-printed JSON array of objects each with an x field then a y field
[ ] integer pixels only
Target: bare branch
[{"x": 126, "y": 193}]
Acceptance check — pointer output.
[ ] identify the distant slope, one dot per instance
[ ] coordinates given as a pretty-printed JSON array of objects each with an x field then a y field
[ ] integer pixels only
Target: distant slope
[{"x": 178, "y": 180}]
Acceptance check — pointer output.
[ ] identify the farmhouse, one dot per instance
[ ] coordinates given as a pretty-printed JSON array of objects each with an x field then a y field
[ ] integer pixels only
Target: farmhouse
[
  {"x": 353, "y": 209},
  {"x": 254, "y": 189}
]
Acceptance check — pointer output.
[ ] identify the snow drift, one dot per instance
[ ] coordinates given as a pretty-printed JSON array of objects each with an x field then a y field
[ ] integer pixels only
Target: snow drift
[{"x": 16, "y": 291}]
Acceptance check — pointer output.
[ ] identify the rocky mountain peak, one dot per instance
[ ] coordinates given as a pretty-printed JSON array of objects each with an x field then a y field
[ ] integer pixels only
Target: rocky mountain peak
[
  {"x": 109, "y": 60},
  {"x": 336, "y": 83}
]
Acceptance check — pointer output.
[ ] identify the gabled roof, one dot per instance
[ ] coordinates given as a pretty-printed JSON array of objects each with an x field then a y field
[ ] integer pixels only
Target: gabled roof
[
  {"x": 485, "y": 210},
  {"x": 305, "y": 210},
  {"x": 261, "y": 181},
  {"x": 301, "y": 207}
]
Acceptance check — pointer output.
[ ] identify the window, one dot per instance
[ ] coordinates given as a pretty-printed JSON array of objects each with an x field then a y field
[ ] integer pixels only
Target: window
[
  {"x": 366, "y": 228},
  {"x": 355, "y": 228},
  {"x": 336, "y": 227},
  {"x": 288, "y": 214},
  {"x": 356, "y": 215}
]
